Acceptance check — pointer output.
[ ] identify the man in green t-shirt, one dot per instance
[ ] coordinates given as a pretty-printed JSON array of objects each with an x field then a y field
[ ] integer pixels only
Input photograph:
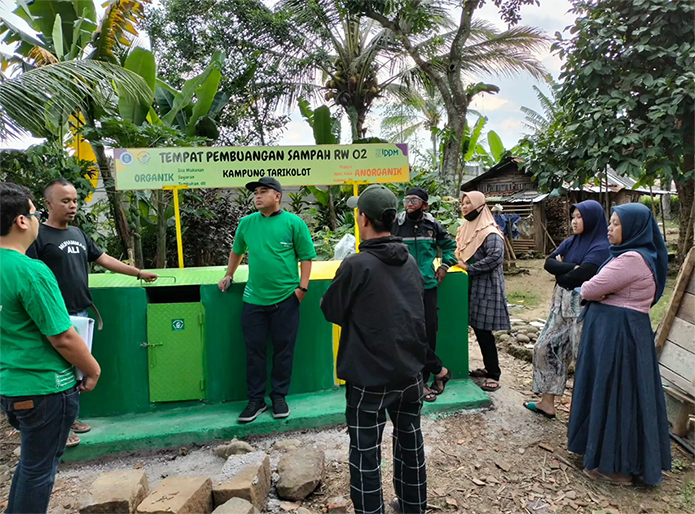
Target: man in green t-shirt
[
  {"x": 40, "y": 349},
  {"x": 275, "y": 240}
]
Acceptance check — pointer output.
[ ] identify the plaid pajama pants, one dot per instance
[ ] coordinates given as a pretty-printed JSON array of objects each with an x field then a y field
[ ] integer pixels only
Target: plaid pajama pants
[{"x": 366, "y": 419}]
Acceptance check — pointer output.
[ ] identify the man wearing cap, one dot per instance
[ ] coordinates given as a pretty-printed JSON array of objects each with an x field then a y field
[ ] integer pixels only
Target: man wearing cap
[
  {"x": 275, "y": 240},
  {"x": 426, "y": 238},
  {"x": 377, "y": 299}
]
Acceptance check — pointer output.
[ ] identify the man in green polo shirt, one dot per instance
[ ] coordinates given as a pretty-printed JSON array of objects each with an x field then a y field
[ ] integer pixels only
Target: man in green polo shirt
[
  {"x": 40, "y": 349},
  {"x": 275, "y": 240}
]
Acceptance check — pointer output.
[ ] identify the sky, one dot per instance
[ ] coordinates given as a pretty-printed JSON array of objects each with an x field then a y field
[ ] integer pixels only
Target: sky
[{"x": 502, "y": 110}]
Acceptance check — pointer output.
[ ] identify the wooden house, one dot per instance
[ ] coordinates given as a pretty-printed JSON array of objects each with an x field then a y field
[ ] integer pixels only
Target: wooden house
[
  {"x": 544, "y": 217},
  {"x": 506, "y": 185}
]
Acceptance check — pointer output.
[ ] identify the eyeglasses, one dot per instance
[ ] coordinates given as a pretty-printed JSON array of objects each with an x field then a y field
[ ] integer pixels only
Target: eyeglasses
[
  {"x": 413, "y": 201},
  {"x": 38, "y": 215}
]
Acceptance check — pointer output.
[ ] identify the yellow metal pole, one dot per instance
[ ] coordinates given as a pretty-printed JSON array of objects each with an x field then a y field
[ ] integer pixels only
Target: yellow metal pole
[
  {"x": 177, "y": 216},
  {"x": 356, "y": 192}
]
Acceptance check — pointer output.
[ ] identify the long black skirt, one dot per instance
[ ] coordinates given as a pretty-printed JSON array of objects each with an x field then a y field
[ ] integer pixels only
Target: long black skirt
[{"x": 618, "y": 419}]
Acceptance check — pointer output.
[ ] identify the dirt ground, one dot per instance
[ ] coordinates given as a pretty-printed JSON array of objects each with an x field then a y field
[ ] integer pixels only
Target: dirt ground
[{"x": 505, "y": 459}]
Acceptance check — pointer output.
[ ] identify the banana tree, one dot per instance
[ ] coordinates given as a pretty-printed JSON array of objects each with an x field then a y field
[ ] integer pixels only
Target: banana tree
[
  {"x": 66, "y": 42},
  {"x": 189, "y": 111}
]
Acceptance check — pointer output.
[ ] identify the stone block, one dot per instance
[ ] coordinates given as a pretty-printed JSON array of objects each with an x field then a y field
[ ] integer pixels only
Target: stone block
[
  {"x": 179, "y": 495},
  {"x": 236, "y": 506},
  {"x": 118, "y": 492},
  {"x": 252, "y": 483}
]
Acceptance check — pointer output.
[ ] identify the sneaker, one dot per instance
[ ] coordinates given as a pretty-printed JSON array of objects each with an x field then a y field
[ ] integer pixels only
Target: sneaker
[
  {"x": 280, "y": 408},
  {"x": 252, "y": 411}
]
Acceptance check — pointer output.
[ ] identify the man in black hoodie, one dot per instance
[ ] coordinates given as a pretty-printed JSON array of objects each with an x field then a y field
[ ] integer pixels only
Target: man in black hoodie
[{"x": 377, "y": 298}]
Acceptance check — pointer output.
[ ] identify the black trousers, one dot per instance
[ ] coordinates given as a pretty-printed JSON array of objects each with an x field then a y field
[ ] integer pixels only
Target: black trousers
[
  {"x": 366, "y": 418},
  {"x": 488, "y": 347},
  {"x": 280, "y": 322},
  {"x": 433, "y": 364}
]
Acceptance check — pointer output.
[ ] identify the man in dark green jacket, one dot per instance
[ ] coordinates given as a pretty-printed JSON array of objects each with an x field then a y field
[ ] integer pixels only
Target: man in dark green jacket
[{"x": 426, "y": 238}]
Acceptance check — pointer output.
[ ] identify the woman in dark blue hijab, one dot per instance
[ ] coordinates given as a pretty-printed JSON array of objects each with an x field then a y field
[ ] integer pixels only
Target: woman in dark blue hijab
[
  {"x": 618, "y": 419},
  {"x": 574, "y": 262}
]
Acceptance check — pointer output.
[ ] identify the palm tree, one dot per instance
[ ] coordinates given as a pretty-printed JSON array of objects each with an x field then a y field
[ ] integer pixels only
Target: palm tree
[
  {"x": 424, "y": 110},
  {"x": 536, "y": 121},
  {"x": 357, "y": 59},
  {"x": 58, "y": 91}
]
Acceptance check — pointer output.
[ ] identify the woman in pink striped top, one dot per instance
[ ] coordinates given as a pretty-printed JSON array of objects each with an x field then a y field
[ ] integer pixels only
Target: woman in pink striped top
[{"x": 618, "y": 419}]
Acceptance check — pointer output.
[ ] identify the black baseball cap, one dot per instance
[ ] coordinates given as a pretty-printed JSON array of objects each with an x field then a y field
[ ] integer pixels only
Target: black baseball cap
[
  {"x": 419, "y": 192},
  {"x": 270, "y": 182},
  {"x": 375, "y": 202}
]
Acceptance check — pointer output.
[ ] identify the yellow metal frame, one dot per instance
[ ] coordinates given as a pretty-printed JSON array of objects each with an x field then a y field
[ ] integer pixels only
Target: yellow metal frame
[{"x": 177, "y": 215}]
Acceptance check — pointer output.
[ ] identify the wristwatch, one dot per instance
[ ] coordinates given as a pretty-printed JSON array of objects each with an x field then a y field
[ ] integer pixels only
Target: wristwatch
[{"x": 302, "y": 288}]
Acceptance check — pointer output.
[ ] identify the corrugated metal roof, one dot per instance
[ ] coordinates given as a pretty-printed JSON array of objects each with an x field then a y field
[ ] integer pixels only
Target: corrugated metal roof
[
  {"x": 617, "y": 183},
  {"x": 528, "y": 196}
]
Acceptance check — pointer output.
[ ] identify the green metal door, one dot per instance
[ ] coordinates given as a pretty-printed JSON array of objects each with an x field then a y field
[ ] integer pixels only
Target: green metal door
[{"x": 175, "y": 351}]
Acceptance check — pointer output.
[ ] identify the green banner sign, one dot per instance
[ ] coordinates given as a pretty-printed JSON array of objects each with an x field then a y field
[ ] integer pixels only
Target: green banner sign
[{"x": 158, "y": 168}]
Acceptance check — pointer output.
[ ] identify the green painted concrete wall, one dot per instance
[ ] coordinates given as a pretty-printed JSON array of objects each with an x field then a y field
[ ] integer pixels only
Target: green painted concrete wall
[{"x": 124, "y": 387}]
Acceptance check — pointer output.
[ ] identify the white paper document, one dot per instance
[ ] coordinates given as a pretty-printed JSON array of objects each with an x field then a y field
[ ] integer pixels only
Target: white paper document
[{"x": 85, "y": 328}]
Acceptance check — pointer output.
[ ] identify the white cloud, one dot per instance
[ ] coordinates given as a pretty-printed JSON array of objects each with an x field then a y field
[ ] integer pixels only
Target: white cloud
[{"x": 485, "y": 103}]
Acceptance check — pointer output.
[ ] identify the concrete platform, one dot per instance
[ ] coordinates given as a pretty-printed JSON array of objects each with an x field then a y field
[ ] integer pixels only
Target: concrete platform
[{"x": 205, "y": 423}]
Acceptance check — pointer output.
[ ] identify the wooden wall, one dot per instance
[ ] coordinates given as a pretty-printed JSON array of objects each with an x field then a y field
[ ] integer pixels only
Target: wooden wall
[
  {"x": 675, "y": 342},
  {"x": 509, "y": 180}
]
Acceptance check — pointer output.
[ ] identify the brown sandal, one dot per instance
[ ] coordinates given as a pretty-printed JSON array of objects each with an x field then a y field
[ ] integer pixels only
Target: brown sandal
[
  {"x": 73, "y": 440},
  {"x": 490, "y": 385},
  {"x": 478, "y": 373},
  {"x": 79, "y": 427}
]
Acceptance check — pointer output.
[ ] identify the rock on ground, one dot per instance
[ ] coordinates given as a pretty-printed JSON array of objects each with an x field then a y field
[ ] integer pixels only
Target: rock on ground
[
  {"x": 252, "y": 483},
  {"x": 235, "y": 447},
  {"x": 236, "y": 506},
  {"x": 116, "y": 492},
  {"x": 301, "y": 472},
  {"x": 179, "y": 495}
]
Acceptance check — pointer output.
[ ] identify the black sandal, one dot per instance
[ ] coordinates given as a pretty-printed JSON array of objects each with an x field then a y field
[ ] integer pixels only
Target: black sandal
[
  {"x": 478, "y": 373},
  {"x": 435, "y": 387}
]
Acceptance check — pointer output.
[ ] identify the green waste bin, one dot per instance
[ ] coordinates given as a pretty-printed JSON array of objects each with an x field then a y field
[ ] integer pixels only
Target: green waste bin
[{"x": 178, "y": 341}]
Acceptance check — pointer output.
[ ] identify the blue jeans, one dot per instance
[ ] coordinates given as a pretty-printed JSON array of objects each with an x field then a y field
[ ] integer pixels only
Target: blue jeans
[{"x": 44, "y": 424}]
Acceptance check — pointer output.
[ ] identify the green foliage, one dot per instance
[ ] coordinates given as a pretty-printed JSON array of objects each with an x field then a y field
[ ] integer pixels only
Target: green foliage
[
  {"x": 298, "y": 201},
  {"x": 252, "y": 77},
  {"x": 326, "y": 127},
  {"x": 325, "y": 240},
  {"x": 686, "y": 495},
  {"x": 118, "y": 133},
  {"x": 627, "y": 96},
  {"x": 36, "y": 166}
]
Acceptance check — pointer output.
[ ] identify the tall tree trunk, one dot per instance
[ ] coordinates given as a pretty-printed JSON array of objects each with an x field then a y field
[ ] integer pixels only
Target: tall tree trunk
[
  {"x": 137, "y": 234},
  {"x": 161, "y": 258},
  {"x": 331, "y": 209},
  {"x": 355, "y": 127},
  {"x": 435, "y": 157},
  {"x": 114, "y": 197},
  {"x": 452, "y": 148}
]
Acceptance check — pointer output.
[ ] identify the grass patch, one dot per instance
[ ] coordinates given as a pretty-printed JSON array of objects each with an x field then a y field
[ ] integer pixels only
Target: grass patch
[
  {"x": 679, "y": 465},
  {"x": 686, "y": 496},
  {"x": 658, "y": 312},
  {"x": 526, "y": 298}
]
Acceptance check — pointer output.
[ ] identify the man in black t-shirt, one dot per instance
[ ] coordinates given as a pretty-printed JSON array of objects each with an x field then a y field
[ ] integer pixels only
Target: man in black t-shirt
[{"x": 67, "y": 251}]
